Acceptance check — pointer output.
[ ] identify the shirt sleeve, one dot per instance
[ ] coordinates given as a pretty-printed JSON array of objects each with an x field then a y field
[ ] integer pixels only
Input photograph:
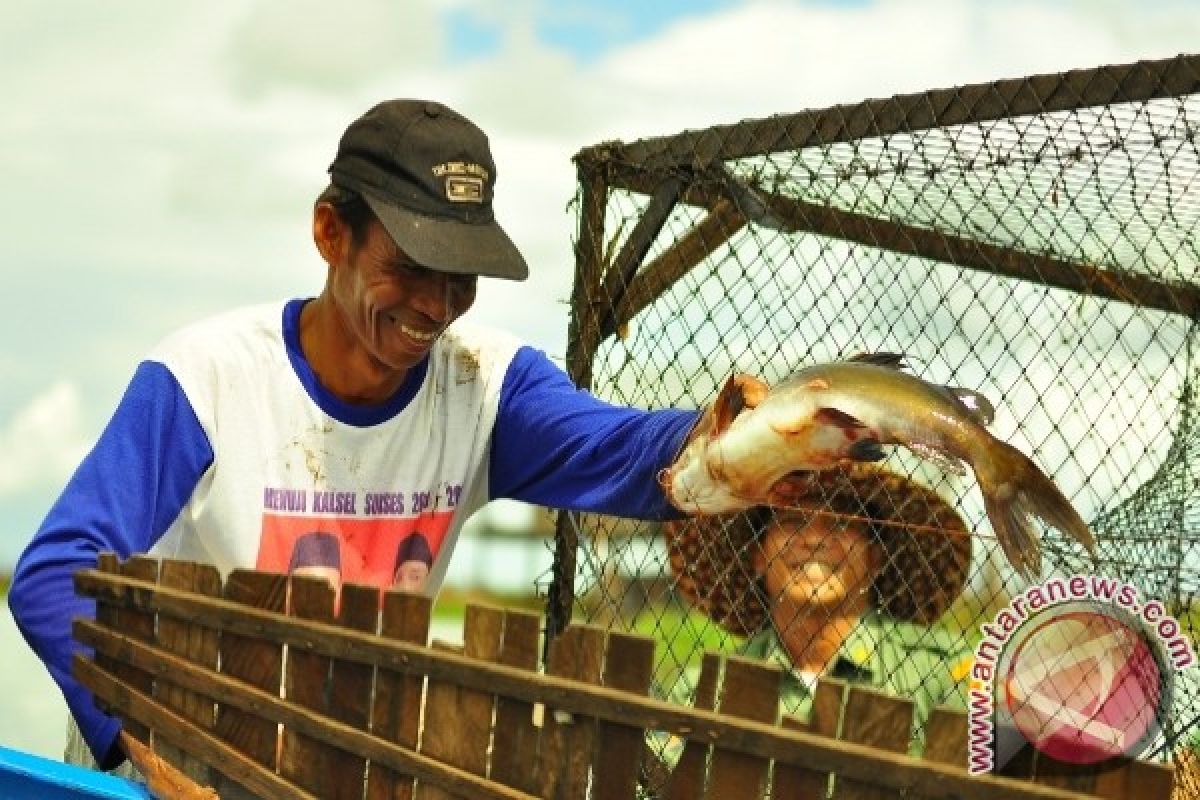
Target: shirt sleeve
[
  {"x": 558, "y": 446},
  {"x": 122, "y": 498}
]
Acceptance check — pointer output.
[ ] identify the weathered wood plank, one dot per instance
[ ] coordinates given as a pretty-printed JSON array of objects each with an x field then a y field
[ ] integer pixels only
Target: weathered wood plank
[
  {"x": 303, "y": 760},
  {"x": 483, "y": 631},
  {"x": 439, "y": 734},
  {"x": 795, "y": 782},
  {"x": 880, "y": 721},
  {"x": 1130, "y": 779},
  {"x": 750, "y": 690},
  {"x": 316, "y": 726},
  {"x": 945, "y": 738},
  {"x": 516, "y": 745},
  {"x": 895, "y": 771},
  {"x": 687, "y": 779},
  {"x": 196, "y": 644},
  {"x": 396, "y": 710},
  {"x": 567, "y": 739},
  {"x": 108, "y": 615},
  {"x": 628, "y": 665},
  {"x": 350, "y": 690},
  {"x": 136, "y": 705},
  {"x": 580, "y": 732},
  {"x": 256, "y": 661},
  {"x": 139, "y": 624}
]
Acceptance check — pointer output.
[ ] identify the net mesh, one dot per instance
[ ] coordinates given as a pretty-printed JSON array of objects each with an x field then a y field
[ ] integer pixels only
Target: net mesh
[{"x": 1034, "y": 240}]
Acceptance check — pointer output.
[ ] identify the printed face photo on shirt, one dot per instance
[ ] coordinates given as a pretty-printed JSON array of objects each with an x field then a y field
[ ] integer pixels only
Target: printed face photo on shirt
[
  {"x": 414, "y": 560},
  {"x": 353, "y": 550}
]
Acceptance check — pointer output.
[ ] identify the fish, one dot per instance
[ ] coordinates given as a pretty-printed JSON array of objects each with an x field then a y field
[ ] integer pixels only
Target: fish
[{"x": 828, "y": 414}]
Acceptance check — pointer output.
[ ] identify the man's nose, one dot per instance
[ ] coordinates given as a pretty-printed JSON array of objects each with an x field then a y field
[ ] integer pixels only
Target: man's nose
[{"x": 432, "y": 296}]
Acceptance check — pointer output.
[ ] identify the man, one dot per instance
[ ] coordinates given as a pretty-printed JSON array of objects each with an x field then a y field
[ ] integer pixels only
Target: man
[
  {"x": 366, "y": 411},
  {"x": 845, "y": 584},
  {"x": 318, "y": 555},
  {"x": 413, "y": 562}
]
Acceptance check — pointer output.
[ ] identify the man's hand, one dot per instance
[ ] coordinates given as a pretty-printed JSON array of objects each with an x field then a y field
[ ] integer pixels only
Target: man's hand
[{"x": 163, "y": 780}]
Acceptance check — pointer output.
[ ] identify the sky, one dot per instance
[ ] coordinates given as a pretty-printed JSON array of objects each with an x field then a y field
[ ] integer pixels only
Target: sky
[{"x": 159, "y": 160}]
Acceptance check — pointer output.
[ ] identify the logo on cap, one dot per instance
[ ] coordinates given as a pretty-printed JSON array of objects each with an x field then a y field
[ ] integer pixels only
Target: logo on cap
[{"x": 464, "y": 181}]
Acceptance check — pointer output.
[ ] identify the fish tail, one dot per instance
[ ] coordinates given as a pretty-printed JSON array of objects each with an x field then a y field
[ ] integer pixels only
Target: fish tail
[{"x": 1015, "y": 488}]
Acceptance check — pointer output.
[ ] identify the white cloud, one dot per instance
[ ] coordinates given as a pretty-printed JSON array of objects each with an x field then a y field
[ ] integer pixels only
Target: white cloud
[{"x": 44, "y": 441}]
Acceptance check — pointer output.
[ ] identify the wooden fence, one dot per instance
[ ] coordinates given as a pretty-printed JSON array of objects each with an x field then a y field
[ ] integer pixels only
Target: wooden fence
[{"x": 255, "y": 685}]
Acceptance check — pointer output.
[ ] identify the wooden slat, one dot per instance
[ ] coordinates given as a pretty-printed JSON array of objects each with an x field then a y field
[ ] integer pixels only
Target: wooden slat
[
  {"x": 316, "y": 726},
  {"x": 135, "y": 705},
  {"x": 439, "y": 737},
  {"x": 515, "y": 748},
  {"x": 306, "y": 676},
  {"x": 1135, "y": 779},
  {"x": 459, "y": 721},
  {"x": 824, "y": 719},
  {"x": 140, "y": 625},
  {"x": 705, "y": 238},
  {"x": 1078, "y": 777},
  {"x": 396, "y": 710},
  {"x": 350, "y": 690},
  {"x": 895, "y": 771},
  {"x": 945, "y": 738},
  {"x": 256, "y": 661},
  {"x": 750, "y": 690},
  {"x": 198, "y": 645},
  {"x": 687, "y": 780},
  {"x": 797, "y": 782},
  {"x": 568, "y": 739},
  {"x": 628, "y": 665},
  {"x": 108, "y": 614},
  {"x": 881, "y": 721}
]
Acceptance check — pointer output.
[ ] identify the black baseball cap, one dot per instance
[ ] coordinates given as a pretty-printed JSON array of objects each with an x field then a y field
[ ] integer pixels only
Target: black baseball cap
[{"x": 427, "y": 173}]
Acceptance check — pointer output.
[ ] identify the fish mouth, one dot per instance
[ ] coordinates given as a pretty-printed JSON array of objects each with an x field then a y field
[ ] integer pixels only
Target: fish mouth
[{"x": 866, "y": 450}]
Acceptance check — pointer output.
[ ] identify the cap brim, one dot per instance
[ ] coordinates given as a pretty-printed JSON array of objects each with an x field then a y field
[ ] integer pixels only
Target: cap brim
[{"x": 452, "y": 246}]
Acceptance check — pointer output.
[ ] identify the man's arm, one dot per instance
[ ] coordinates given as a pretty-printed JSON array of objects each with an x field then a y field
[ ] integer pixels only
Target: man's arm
[
  {"x": 122, "y": 498},
  {"x": 558, "y": 446}
]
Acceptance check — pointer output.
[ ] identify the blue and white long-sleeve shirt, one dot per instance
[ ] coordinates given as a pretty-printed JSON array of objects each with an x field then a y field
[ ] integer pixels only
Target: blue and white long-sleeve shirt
[{"x": 226, "y": 449}]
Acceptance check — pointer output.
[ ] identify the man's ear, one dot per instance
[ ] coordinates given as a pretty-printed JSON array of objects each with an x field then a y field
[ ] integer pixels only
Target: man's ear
[{"x": 330, "y": 233}]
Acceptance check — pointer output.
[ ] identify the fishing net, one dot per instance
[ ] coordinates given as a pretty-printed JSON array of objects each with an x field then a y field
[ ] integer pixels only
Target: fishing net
[{"x": 1032, "y": 239}]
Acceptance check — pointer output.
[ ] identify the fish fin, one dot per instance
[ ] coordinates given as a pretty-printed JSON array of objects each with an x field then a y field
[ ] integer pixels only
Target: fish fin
[
  {"x": 866, "y": 450},
  {"x": 840, "y": 419},
  {"x": 978, "y": 407},
  {"x": 890, "y": 360},
  {"x": 728, "y": 405},
  {"x": 940, "y": 458},
  {"x": 1014, "y": 488}
]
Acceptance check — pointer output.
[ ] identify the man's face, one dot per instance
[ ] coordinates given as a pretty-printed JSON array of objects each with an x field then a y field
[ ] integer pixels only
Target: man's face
[
  {"x": 391, "y": 305},
  {"x": 411, "y": 576},
  {"x": 810, "y": 560}
]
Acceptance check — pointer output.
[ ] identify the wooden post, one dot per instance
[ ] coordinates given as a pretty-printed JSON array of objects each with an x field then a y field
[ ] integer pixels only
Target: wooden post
[
  {"x": 198, "y": 645},
  {"x": 628, "y": 665},
  {"x": 255, "y": 661},
  {"x": 568, "y": 739},
  {"x": 439, "y": 731},
  {"x": 750, "y": 691},
  {"x": 514, "y": 752},
  {"x": 140, "y": 625},
  {"x": 396, "y": 712},
  {"x": 350, "y": 690},
  {"x": 305, "y": 761},
  {"x": 881, "y": 721},
  {"x": 687, "y": 780}
]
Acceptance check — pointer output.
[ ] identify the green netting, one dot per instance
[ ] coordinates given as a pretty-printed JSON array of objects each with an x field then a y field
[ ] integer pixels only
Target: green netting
[{"x": 1033, "y": 239}]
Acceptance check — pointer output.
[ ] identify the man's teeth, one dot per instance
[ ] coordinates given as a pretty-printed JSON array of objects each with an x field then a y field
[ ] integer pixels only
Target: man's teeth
[{"x": 418, "y": 335}]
